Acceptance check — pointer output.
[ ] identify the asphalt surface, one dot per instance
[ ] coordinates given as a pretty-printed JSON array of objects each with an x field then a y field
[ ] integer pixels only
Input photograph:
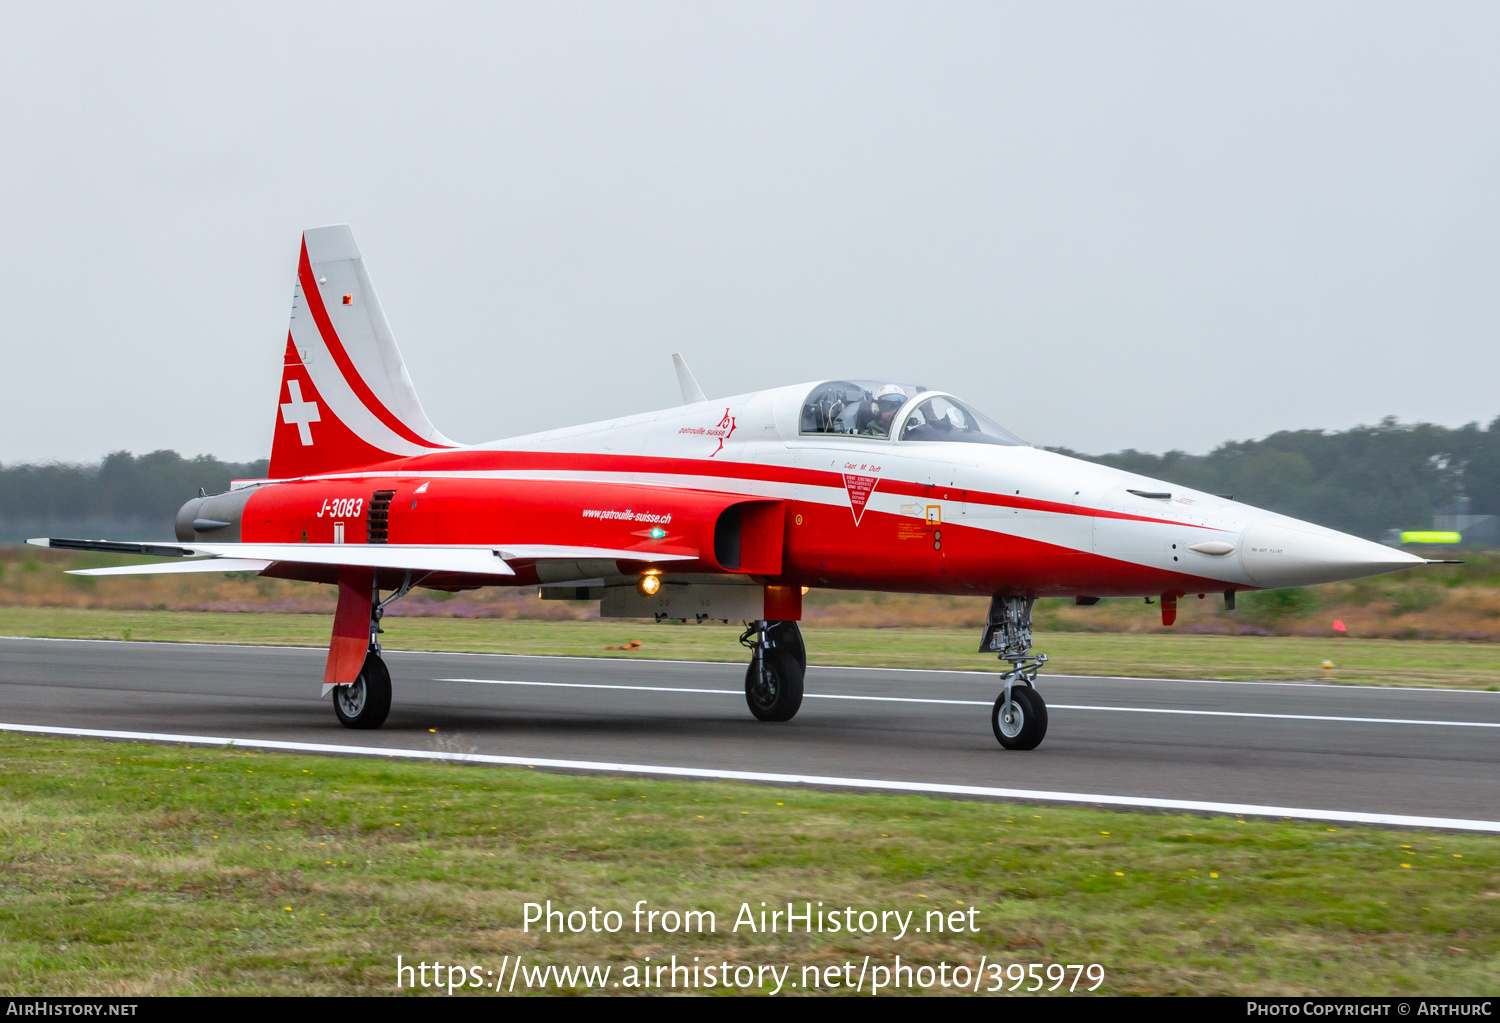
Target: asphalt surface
[{"x": 1425, "y": 753}]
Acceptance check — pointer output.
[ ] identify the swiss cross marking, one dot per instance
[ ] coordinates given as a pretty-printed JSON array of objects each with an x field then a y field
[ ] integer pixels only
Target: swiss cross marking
[
  {"x": 720, "y": 431},
  {"x": 723, "y": 430},
  {"x": 300, "y": 413}
]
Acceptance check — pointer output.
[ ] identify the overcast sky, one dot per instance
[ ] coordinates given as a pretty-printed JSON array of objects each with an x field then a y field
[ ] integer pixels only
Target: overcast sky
[{"x": 1107, "y": 225}]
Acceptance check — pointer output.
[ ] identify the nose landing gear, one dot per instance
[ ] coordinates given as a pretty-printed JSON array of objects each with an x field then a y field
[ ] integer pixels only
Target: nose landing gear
[
  {"x": 1020, "y": 714},
  {"x": 773, "y": 681}
]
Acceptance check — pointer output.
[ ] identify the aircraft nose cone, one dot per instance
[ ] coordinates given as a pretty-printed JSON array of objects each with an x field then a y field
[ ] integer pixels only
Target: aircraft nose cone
[{"x": 1285, "y": 552}]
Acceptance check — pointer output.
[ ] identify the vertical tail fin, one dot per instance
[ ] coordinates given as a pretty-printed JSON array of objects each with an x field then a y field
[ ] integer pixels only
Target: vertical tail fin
[{"x": 346, "y": 399}]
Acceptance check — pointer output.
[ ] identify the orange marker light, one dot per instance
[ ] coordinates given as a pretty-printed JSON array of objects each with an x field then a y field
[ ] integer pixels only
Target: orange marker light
[{"x": 348, "y": 299}]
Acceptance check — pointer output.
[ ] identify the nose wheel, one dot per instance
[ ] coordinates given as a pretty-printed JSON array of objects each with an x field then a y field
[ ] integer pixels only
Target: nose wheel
[
  {"x": 1020, "y": 715},
  {"x": 1020, "y": 718}
]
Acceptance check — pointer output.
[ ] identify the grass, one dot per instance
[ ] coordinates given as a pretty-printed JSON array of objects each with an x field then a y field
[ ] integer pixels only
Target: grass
[
  {"x": 128, "y": 869},
  {"x": 1367, "y": 661},
  {"x": 1436, "y": 602}
]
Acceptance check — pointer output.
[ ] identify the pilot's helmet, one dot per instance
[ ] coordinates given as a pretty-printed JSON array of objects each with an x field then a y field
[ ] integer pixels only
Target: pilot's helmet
[{"x": 890, "y": 398}]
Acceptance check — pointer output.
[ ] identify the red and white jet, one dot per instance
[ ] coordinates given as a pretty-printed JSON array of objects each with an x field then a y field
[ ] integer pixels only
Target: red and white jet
[{"x": 724, "y": 509}]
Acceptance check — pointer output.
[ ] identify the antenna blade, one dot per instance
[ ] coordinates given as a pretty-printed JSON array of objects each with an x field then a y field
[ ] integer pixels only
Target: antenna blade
[{"x": 691, "y": 392}]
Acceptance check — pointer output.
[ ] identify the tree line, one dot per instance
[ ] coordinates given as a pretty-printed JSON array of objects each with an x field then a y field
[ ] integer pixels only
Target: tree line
[
  {"x": 1363, "y": 481},
  {"x": 123, "y": 491}
]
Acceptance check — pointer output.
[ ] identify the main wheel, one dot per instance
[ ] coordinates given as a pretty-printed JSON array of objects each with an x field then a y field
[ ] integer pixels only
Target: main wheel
[
  {"x": 789, "y": 638},
  {"x": 366, "y": 701},
  {"x": 777, "y": 693},
  {"x": 1026, "y": 724}
]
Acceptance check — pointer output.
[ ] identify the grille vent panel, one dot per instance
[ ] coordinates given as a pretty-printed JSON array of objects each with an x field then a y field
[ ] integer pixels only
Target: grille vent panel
[{"x": 377, "y": 525}]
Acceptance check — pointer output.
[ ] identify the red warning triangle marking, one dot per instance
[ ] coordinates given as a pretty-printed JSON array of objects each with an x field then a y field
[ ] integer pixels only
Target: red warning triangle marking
[{"x": 859, "y": 488}]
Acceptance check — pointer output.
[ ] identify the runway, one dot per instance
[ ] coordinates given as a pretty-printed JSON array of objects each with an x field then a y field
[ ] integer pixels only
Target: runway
[{"x": 1360, "y": 750}]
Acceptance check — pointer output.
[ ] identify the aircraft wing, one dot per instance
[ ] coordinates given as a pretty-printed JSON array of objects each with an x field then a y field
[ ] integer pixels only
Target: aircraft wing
[
  {"x": 253, "y": 557},
  {"x": 175, "y": 567}
]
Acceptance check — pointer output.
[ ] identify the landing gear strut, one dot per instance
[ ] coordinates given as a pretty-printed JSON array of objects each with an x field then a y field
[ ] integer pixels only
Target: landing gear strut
[
  {"x": 778, "y": 663},
  {"x": 1020, "y": 715}
]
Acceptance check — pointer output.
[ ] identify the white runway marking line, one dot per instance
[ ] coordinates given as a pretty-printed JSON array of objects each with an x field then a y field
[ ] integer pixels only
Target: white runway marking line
[
  {"x": 988, "y": 703},
  {"x": 931, "y": 788},
  {"x": 712, "y": 692}
]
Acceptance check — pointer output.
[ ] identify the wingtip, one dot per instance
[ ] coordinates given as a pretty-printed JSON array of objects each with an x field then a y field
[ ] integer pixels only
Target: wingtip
[{"x": 40, "y": 541}]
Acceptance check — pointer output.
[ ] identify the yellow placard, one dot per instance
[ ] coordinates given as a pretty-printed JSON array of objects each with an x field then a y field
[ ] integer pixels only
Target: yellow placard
[{"x": 1431, "y": 536}]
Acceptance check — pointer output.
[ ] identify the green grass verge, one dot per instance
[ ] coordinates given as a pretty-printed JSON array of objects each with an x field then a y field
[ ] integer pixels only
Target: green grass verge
[
  {"x": 129, "y": 869},
  {"x": 1365, "y": 661}
]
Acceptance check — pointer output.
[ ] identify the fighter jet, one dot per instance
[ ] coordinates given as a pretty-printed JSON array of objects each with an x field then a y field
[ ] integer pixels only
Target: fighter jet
[{"x": 726, "y": 510}]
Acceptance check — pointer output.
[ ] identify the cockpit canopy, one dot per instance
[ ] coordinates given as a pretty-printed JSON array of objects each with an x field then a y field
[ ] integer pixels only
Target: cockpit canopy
[
  {"x": 851, "y": 407},
  {"x": 879, "y": 409}
]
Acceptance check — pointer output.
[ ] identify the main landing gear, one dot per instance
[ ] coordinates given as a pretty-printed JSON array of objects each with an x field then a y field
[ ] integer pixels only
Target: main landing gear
[
  {"x": 366, "y": 702},
  {"x": 1020, "y": 715},
  {"x": 778, "y": 663}
]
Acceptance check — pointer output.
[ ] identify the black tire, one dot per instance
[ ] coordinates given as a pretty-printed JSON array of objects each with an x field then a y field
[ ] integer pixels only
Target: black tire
[
  {"x": 777, "y": 695},
  {"x": 1028, "y": 725},
  {"x": 365, "y": 702}
]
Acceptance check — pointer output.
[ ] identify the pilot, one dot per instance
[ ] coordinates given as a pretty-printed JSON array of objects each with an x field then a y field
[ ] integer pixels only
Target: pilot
[{"x": 888, "y": 401}]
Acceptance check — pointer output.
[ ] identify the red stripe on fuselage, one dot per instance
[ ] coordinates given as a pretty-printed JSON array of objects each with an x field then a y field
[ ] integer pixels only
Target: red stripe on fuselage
[
  {"x": 822, "y": 546},
  {"x": 471, "y": 460},
  {"x": 341, "y": 358},
  {"x": 880, "y": 554},
  {"x": 1023, "y": 503}
]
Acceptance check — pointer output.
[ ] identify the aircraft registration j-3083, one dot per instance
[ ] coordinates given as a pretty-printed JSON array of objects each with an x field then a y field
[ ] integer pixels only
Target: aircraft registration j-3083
[{"x": 712, "y": 510}]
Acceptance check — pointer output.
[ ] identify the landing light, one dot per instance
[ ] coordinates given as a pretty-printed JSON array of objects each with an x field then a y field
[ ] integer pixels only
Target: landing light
[{"x": 649, "y": 584}]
